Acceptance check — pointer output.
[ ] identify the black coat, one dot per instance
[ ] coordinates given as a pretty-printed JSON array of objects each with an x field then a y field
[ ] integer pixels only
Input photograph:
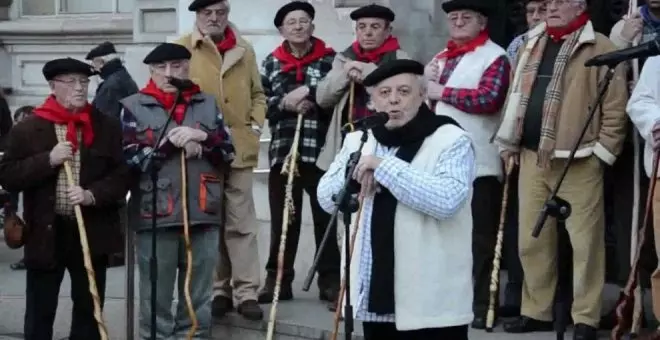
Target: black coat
[{"x": 117, "y": 84}]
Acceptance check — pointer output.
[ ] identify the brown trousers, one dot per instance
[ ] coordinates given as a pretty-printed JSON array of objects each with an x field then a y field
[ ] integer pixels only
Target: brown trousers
[
  {"x": 237, "y": 274},
  {"x": 583, "y": 189}
]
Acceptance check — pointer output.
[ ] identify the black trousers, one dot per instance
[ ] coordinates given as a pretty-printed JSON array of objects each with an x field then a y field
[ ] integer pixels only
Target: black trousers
[
  {"x": 619, "y": 194},
  {"x": 308, "y": 180},
  {"x": 382, "y": 331},
  {"x": 43, "y": 288},
  {"x": 510, "y": 258},
  {"x": 486, "y": 205}
]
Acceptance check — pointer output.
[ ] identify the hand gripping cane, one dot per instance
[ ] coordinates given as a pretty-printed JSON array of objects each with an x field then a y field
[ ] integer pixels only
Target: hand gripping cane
[
  {"x": 495, "y": 274},
  {"x": 87, "y": 259},
  {"x": 188, "y": 247},
  {"x": 290, "y": 168}
]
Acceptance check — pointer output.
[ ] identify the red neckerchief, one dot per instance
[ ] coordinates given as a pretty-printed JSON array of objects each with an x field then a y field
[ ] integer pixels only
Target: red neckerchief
[
  {"x": 228, "y": 42},
  {"x": 454, "y": 50},
  {"x": 290, "y": 62},
  {"x": 54, "y": 112},
  {"x": 390, "y": 44},
  {"x": 557, "y": 33},
  {"x": 167, "y": 99}
]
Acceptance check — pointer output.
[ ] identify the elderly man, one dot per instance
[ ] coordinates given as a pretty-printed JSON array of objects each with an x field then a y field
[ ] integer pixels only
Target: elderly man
[
  {"x": 374, "y": 46},
  {"x": 546, "y": 107},
  {"x": 117, "y": 82},
  {"x": 644, "y": 111},
  {"x": 66, "y": 129},
  {"x": 468, "y": 81},
  {"x": 291, "y": 75},
  {"x": 642, "y": 26},
  {"x": 197, "y": 129},
  {"x": 534, "y": 14},
  {"x": 410, "y": 274},
  {"x": 224, "y": 65}
]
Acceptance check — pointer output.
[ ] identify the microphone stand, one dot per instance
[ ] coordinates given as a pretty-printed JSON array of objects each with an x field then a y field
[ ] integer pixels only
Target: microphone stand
[
  {"x": 559, "y": 208},
  {"x": 150, "y": 163},
  {"x": 346, "y": 202}
]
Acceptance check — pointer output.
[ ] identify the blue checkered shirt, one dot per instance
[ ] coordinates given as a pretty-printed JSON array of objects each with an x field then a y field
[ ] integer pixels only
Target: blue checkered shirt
[
  {"x": 514, "y": 47},
  {"x": 439, "y": 194}
]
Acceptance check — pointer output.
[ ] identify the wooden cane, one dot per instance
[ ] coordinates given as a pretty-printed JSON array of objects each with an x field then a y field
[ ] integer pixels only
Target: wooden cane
[
  {"x": 289, "y": 167},
  {"x": 495, "y": 274},
  {"x": 634, "y": 228},
  {"x": 188, "y": 247},
  {"x": 87, "y": 259},
  {"x": 342, "y": 287},
  {"x": 625, "y": 307}
]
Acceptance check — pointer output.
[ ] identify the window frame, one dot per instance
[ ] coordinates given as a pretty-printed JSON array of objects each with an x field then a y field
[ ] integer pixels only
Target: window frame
[{"x": 59, "y": 14}]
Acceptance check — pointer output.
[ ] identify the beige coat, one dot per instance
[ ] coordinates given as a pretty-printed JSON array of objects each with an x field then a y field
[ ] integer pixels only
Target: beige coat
[
  {"x": 332, "y": 93},
  {"x": 605, "y": 135},
  {"x": 235, "y": 83}
]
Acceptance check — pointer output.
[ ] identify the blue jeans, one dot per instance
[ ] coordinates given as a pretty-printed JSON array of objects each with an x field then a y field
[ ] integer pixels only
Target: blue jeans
[{"x": 171, "y": 256}]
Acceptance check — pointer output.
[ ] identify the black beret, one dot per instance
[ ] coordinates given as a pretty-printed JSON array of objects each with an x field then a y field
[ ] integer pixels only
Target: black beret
[
  {"x": 57, "y": 67},
  {"x": 480, "y": 6},
  {"x": 391, "y": 69},
  {"x": 101, "y": 50},
  {"x": 196, "y": 5},
  {"x": 290, "y": 7},
  {"x": 373, "y": 11},
  {"x": 167, "y": 52}
]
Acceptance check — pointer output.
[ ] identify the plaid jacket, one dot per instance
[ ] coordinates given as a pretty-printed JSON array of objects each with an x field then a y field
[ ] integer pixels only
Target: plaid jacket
[{"x": 277, "y": 84}]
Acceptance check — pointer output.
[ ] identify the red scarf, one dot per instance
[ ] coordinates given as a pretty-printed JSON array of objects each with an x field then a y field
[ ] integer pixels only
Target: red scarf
[
  {"x": 54, "y": 112},
  {"x": 391, "y": 44},
  {"x": 454, "y": 50},
  {"x": 167, "y": 99},
  {"x": 557, "y": 33},
  {"x": 290, "y": 62},
  {"x": 228, "y": 42}
]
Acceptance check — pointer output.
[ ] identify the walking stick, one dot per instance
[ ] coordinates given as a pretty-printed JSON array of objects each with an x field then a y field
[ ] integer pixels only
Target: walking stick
[
  {"x": 625, "y": 308},
  {"x": 495, "y": 274},
  {"x": 188, "y": 247},
  {"x": 634, "y": 228},
  {"x": 87, "y": 259},
  {"x": 289, "y": 167},
  {"x": 342, "y": 288}
]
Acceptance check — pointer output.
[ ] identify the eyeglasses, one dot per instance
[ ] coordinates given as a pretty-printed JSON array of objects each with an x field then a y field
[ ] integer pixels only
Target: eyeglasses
[{"x": 560, "y": 3}]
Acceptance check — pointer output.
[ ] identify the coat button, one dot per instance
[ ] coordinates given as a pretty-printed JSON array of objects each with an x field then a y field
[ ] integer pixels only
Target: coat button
[
  {"x": 49, "y": 227},
  {"x": 226, "y": 101}
]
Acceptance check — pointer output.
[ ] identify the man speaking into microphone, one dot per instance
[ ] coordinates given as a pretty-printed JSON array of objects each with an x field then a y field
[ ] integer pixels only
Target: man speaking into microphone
[
  {"x": 411, "y": 270},
  {"x": 196, "y": 128}
]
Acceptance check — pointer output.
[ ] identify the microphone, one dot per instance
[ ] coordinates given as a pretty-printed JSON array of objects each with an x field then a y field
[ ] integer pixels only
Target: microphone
[
  {"x": 180, "y": 84},
  {"x": 377, "y": 119},
  {"x": 645, "y": 50}
]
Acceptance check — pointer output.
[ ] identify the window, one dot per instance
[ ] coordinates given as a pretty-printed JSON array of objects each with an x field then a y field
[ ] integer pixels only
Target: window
[{"x": 55, "y": 7}]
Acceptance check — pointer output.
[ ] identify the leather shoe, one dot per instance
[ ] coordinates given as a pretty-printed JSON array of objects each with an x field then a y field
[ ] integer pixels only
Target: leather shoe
[
  {"x": 524, "y": 324},
  {"x": 250, "y": 310},
  {"x": 479, "y": 322},
  {"x": 221, "y": 305},
  {"x": 266, "y": 293},
  {"x": 585, "y": 332}
]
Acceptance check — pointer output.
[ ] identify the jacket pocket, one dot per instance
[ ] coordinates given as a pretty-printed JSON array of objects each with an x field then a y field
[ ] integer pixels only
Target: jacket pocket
[
  {"x": 164, "y": 199},
  {"x": 210, "y": 193},
  {"x": 246, "y": 143}
]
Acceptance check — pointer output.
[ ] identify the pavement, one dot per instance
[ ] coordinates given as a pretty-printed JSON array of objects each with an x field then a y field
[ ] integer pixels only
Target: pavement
[{"x": 303, "y": 318}]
